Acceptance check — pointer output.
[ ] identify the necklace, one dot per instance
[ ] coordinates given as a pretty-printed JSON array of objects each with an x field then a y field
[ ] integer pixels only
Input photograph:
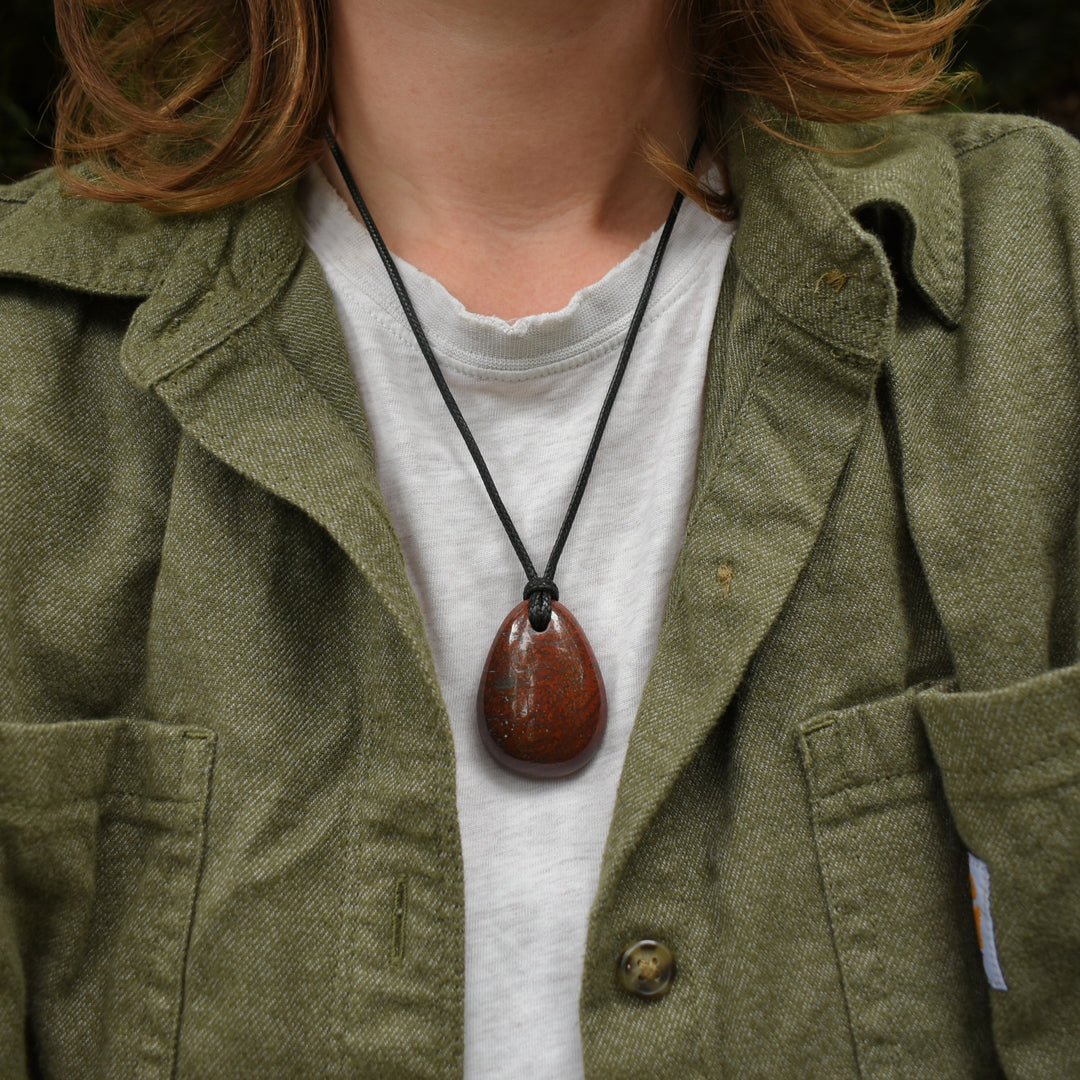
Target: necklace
[{"x": 541, "y": 706}]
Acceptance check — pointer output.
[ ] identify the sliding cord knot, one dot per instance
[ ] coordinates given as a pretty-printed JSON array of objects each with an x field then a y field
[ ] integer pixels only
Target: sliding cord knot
[{"x": 541, "y": 593}]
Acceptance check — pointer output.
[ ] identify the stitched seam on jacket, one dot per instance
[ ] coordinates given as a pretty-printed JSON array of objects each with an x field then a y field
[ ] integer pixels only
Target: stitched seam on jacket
[
  {"x": 208, "y": 773},
  {"x": 229, "y": 329},
  {"x": 876, "y": 965},
  {"x": 831, "y": 914},
  {"x": 105, "y": 793},
  {"x": 1026, "y": 129},
  {"x": 860, "y": 785}
]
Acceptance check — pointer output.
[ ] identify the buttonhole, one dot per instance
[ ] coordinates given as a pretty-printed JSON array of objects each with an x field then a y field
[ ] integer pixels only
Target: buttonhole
[{"x": 401, "y": 896}]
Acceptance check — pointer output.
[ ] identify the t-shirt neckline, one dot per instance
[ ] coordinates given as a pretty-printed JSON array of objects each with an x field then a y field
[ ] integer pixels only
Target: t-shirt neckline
[{"x": 590, "y": 327}]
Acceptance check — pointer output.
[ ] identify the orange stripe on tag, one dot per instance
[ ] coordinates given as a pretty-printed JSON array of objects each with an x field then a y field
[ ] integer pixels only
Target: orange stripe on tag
[{"x": 978, "y": 910}]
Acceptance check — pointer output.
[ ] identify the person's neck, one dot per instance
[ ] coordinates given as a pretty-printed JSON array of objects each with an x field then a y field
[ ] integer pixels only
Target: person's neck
[{"x": 497, "y": 142}]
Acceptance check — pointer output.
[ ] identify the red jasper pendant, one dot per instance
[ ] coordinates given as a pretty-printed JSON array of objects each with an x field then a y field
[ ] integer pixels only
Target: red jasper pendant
[{"x": 542, "y": 703}]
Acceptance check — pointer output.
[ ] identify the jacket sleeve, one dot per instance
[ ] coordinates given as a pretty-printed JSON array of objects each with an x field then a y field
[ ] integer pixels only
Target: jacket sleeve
[{"x": 990, "y": 431}]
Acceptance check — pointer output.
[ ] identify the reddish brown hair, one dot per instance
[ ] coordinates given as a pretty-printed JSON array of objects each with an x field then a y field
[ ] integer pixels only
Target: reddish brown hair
[{"x": 189, "y": 106}]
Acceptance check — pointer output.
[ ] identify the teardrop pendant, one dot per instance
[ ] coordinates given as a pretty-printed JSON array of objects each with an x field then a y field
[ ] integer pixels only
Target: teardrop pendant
[{"x": 542, "y": 704}]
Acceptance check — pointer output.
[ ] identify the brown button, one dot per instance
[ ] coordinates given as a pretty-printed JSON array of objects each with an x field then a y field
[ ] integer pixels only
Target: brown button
[{"x": 647, "y": 969}]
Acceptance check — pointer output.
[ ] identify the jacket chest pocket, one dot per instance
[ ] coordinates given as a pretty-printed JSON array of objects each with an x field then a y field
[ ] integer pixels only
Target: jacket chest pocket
[
  {"x": 894, "y": 874},
  {"x": 102, "y": 827}
]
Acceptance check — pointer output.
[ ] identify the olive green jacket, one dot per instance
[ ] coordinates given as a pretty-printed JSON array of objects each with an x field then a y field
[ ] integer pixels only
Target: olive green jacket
[{"x": 228, "y": 841}]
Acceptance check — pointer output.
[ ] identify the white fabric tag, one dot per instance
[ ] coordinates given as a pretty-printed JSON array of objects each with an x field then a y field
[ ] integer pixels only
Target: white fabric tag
[{"x": 979, "y": 873}]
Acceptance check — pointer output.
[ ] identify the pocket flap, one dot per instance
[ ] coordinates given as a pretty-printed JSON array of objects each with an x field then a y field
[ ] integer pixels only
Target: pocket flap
[
  {"x": 864, "y": 745},
  {"x": 1008, "y": 742},
  {"x": 49, "y": 764}
]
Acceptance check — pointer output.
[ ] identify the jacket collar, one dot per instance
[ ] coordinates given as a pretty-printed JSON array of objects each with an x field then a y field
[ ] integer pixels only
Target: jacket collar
[
  {"x": 809, "y": 193},
  {"x": 201, "y": 277},
  {"x": 214, "y": 272},
  {"x": 108, "y": 249},
  {"x": 198, "y": 337},
  {"x": 902, "y": 167},
  {"x": 212, "y": 335}
]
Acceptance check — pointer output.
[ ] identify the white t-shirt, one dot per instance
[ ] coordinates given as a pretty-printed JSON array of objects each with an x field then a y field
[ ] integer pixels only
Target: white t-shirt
[{"x": 531, "y": 391}]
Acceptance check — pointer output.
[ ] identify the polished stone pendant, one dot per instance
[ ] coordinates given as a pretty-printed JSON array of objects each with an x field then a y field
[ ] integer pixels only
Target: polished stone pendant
[{"x": 542, "y": 704}]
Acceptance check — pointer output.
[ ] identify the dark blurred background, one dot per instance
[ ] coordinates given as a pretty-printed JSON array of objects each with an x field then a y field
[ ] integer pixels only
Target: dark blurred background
[{"x": 1027, "y": 55}]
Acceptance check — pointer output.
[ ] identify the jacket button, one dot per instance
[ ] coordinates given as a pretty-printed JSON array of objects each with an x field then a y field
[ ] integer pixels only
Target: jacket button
[{"x": 647, "y": 969}]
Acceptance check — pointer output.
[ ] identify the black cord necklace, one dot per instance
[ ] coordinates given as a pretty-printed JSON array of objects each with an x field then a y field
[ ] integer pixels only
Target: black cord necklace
[{"x": 542, "y": 707}]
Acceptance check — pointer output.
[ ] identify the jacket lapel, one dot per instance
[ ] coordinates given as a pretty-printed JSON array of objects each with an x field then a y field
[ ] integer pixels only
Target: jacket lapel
[
  {"x": 806, "y": 320},
  {"x": 240, "y": 339}
]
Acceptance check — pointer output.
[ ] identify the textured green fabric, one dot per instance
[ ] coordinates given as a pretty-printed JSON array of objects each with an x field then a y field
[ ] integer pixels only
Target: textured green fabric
[{"x": 228, "y": 842}]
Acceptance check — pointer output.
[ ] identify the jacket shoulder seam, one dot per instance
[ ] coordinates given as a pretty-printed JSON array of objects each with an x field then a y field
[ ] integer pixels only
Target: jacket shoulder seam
[{"x": 999, "y": 136}]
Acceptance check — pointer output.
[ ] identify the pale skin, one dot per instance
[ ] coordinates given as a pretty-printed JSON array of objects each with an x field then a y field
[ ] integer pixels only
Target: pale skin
[{"x": 497, "y": 141}]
